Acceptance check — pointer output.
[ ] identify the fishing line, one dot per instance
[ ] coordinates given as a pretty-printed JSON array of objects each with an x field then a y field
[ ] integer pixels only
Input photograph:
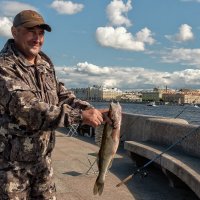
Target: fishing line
[
  {"x": 181, "y": 112},
  {"x": 139, "y": 170},
  {"x": 185, "y": 108}
]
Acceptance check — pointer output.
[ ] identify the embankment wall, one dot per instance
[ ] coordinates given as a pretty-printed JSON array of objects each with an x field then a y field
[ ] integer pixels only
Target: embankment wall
[{"x": 162, "y": 131}]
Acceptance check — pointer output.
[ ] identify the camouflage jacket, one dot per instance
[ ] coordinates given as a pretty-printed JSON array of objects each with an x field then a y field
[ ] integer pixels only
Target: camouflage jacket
[{"x": 32, "y": 105}]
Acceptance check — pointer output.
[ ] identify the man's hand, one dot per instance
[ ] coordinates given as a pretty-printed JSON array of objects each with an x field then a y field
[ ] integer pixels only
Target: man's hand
[{"x": 94, "y": 117}]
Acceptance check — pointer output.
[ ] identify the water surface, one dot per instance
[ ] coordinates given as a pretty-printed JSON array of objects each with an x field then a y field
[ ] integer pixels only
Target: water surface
[{"x": 187, "y": 112}]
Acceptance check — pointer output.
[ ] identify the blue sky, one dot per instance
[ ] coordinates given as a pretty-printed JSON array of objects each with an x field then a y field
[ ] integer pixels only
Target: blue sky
[{"x": 128, "y": 44}]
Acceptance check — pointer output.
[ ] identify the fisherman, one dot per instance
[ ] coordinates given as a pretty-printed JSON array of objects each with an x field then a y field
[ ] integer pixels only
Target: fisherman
[{"x": 32, "y": 105}]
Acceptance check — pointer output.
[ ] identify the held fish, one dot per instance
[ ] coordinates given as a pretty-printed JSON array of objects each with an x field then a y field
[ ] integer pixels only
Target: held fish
[{"x": 109, "y": 144}]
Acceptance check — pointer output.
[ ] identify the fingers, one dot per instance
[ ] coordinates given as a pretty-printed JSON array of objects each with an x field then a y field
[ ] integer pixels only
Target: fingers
[
  {"x": 106, "y": 118},
  {"x": 103, "y": 110},
  {"x": 105, "y": 115},
  {"x": 92, "y": 117}
]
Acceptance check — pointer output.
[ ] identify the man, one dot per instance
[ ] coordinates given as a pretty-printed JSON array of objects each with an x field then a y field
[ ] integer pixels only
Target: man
[{"x": 32, "y": 105}]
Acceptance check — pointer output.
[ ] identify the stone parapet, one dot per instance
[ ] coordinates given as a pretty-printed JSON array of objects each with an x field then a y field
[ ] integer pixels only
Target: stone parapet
[
  {"x": 161, "y": 131},
  {"x": 171, "y": 143}
]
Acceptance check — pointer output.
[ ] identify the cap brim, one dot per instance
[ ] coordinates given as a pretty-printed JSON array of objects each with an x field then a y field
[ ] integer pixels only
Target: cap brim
[{"x": 32, "y": 24}]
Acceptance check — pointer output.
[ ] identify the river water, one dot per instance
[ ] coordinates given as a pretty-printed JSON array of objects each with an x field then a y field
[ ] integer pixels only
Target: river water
[{"x": 187, "y": 112}]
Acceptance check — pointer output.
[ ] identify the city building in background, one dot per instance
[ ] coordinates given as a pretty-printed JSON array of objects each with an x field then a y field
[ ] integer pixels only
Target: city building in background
[
  {"x": 81, "y": 93},
  {"x": 111, "y": 94},
  {"x": 97, "y": 93},
  {"x": 180, "y": 97},
  {"x": 100, "y": 93},
  {"x": 154, "y": 95},
  {"x": 130, "y": 97}
]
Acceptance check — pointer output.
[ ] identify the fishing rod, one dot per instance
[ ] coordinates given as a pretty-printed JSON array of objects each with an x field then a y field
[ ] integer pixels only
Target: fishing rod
[{"x": 139, "y": 170}]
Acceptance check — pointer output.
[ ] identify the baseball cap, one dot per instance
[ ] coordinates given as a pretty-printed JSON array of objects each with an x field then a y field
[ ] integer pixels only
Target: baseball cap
[{"x": 30, "y": 18}]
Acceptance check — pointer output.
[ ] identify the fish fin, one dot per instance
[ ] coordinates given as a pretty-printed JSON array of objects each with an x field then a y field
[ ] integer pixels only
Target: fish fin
[
  {"x": 98, "y": 188},
  {"x": 110, "y": 164}
]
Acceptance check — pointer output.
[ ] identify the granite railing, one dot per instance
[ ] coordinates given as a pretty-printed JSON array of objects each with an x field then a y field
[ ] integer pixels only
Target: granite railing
[{"x": 148, "y": 136}]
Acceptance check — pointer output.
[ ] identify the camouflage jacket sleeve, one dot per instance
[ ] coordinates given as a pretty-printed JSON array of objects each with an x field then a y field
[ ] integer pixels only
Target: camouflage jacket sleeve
[{"x": 21, "y": 103}]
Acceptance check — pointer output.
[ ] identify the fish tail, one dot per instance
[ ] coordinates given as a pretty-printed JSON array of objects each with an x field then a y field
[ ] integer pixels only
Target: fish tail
[{"x": 98, "y": 188}]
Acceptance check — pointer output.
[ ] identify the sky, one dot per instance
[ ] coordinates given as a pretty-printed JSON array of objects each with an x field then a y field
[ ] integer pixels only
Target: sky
[{"x": 125, "y": 44}]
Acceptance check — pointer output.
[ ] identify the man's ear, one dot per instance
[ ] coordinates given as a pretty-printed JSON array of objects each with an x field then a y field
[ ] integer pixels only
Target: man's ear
[{"x": 13, "y": 31}]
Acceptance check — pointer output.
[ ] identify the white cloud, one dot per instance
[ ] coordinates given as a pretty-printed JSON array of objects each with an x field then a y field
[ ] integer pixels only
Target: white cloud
[
  {"x": 185, "y": 33},
  {"x": 11, "y": 8},
  {"x": 145, "y": 36},
  {"x": 5, "y": 27},
  {"x": 110, "y": 83},
  {"x": 117, "y": 12},
  {"x": 183, "y": 56},
  {"x": 66, "y": 7},
  {"x": 92, "y": 69},
  {"x": 83, "y": 75},
  {"x": 119, "y": 38},
  {"x": 186, "y": 78}
]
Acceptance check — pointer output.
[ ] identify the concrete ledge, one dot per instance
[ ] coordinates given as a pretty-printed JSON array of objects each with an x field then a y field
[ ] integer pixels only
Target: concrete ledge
[
  {"x": 187, "y": 168},
  {"x": 161, "y": 131}
]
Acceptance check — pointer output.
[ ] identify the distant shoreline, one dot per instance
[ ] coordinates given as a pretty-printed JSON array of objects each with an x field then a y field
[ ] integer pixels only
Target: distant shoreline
[{"x": 143, "y": 102}]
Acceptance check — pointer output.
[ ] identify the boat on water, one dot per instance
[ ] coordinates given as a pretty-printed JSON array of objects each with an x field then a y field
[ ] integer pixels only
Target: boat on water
[
  {"x": 196, "y": 106},
  {"x": 153, "y": 103}
]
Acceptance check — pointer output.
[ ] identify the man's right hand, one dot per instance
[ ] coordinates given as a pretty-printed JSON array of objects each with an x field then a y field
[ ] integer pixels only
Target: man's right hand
[{"x": 92, "y": 117}]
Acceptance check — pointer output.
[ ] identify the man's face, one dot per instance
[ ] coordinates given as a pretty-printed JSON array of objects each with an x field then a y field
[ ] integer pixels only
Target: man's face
[{"x": 28, "y": 40}]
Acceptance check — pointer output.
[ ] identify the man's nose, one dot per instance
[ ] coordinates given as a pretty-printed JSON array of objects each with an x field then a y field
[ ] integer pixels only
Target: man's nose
[{"x": 37, "y": 36}]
